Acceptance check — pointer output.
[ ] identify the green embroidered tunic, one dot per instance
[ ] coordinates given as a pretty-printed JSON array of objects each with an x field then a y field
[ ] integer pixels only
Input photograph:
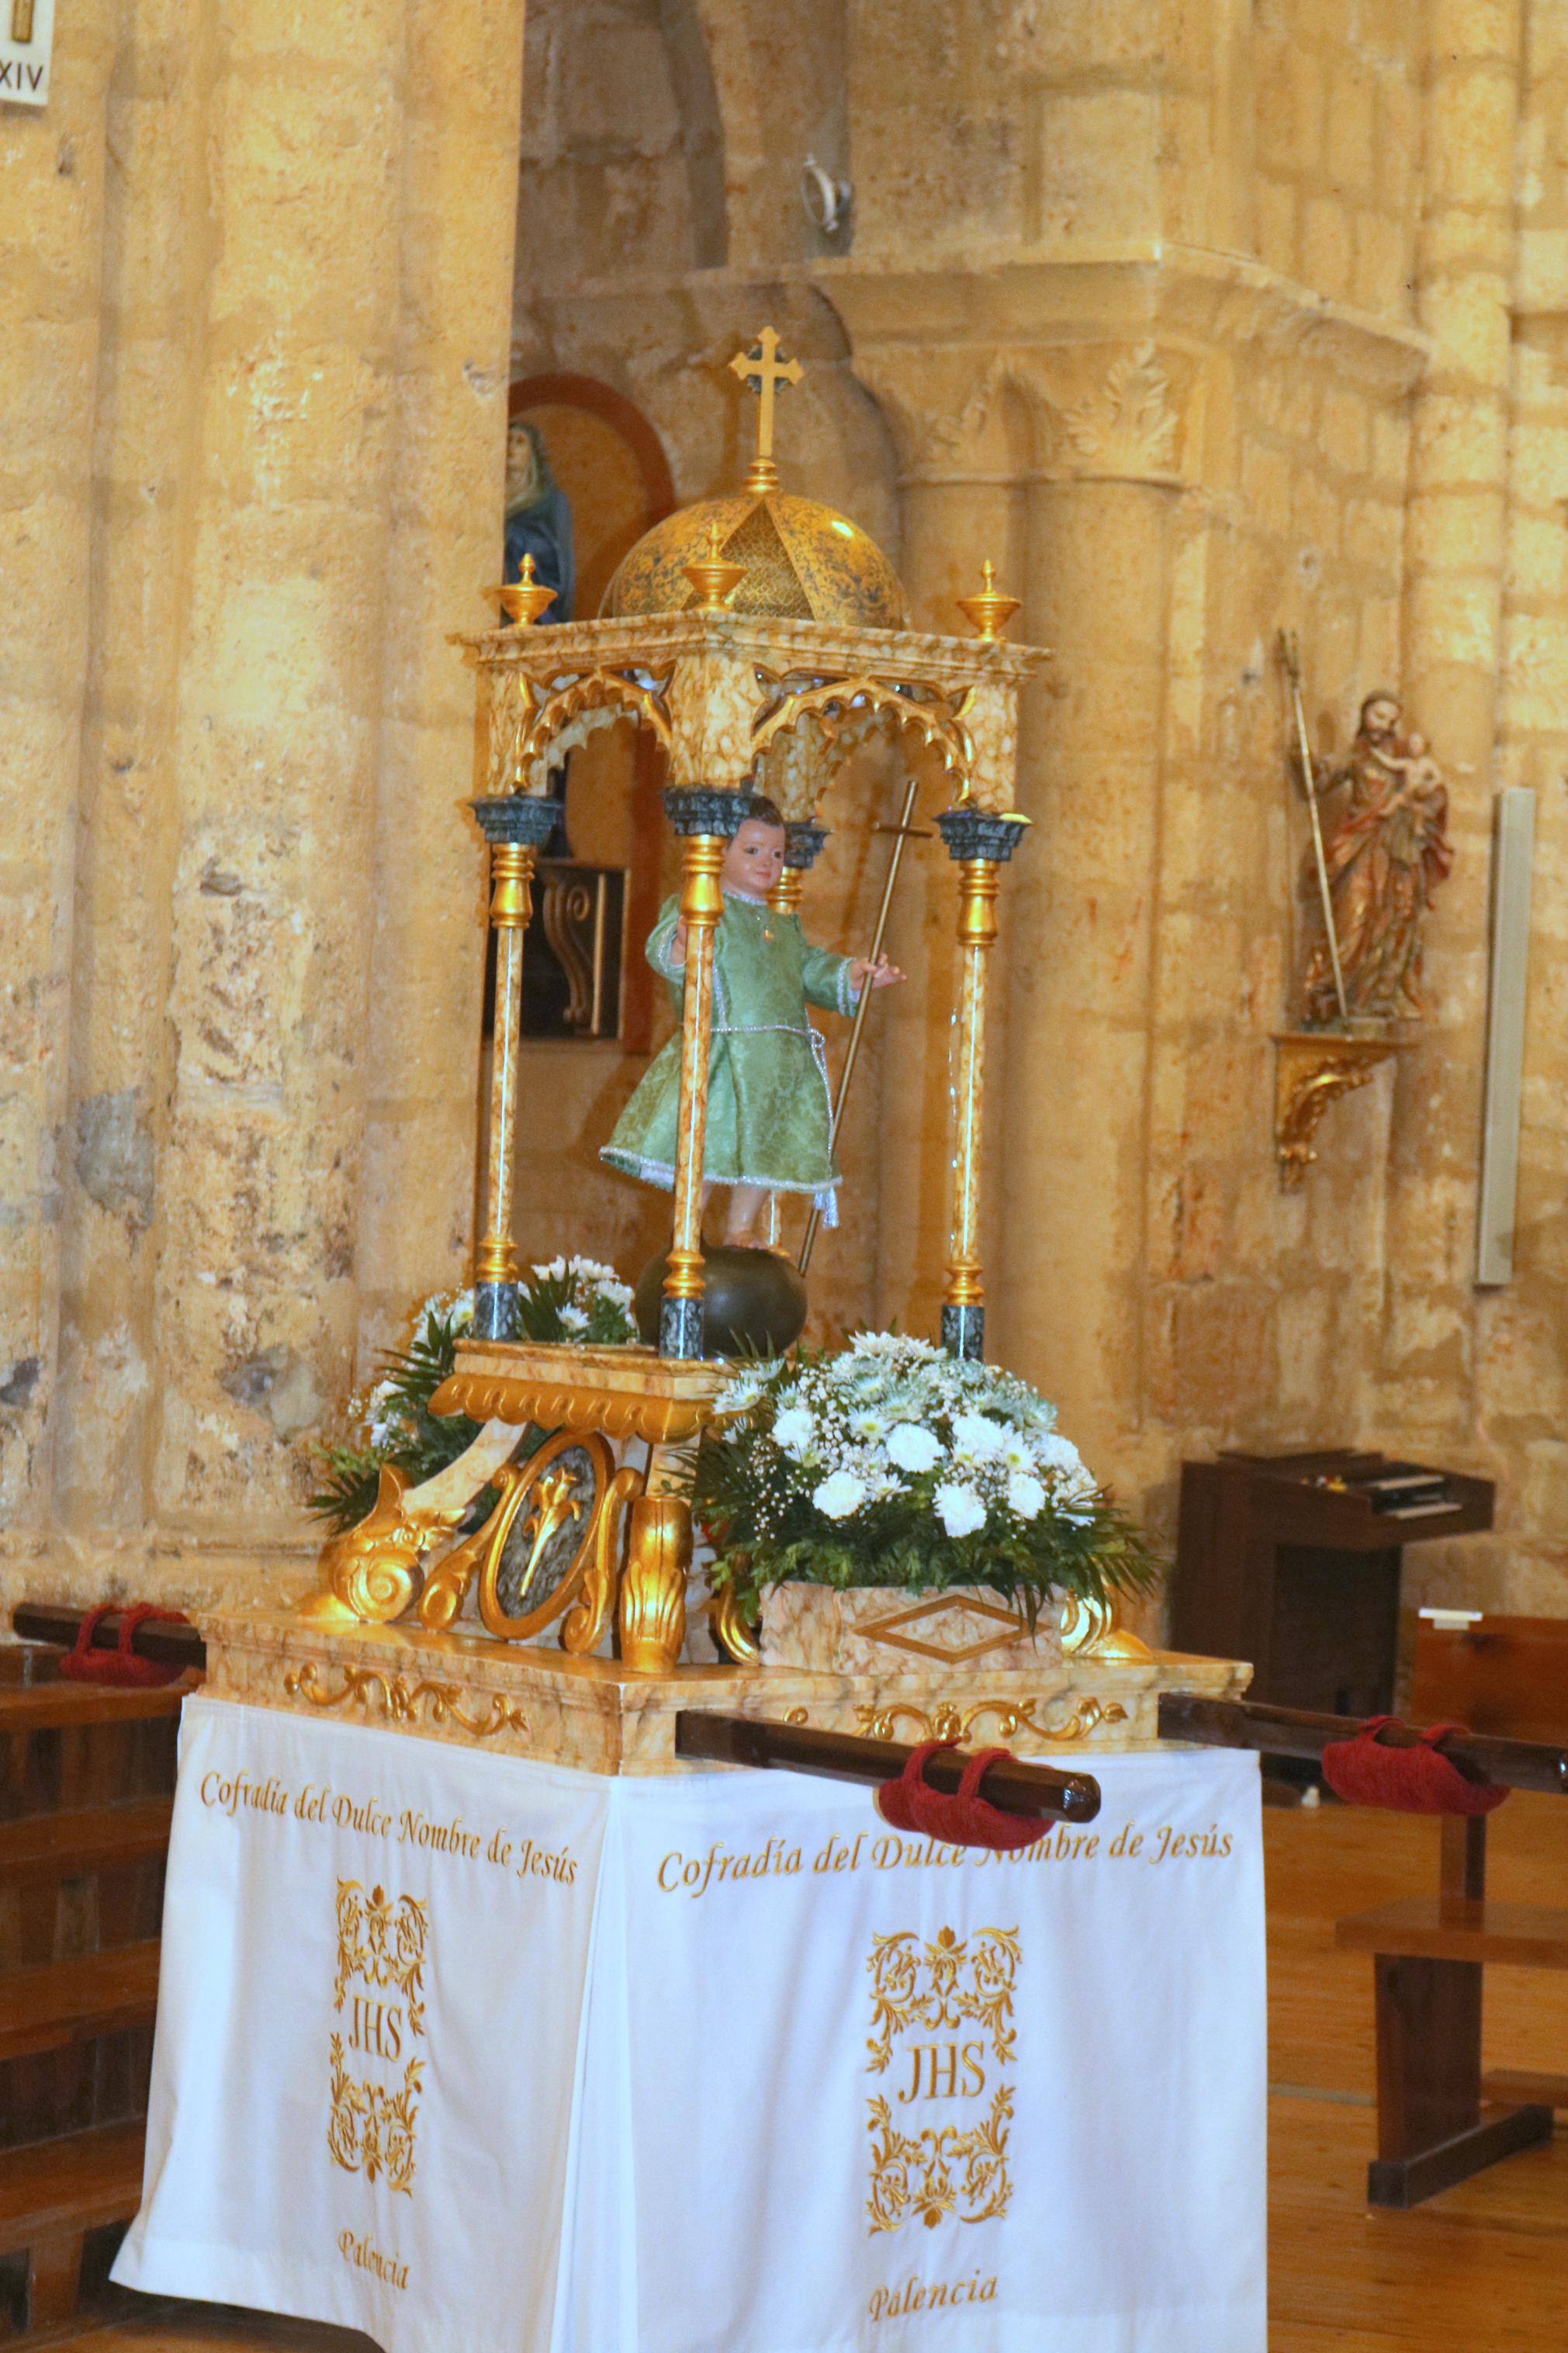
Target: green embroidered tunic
[{"x": 768, "y": 1109}]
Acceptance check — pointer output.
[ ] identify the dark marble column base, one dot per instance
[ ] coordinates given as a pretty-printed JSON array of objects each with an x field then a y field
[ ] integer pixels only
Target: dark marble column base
[
  {"x": 680, "y": 1327},
  {"x": 495, "y": 1311},
  {"x": 963, "y": 1331}
]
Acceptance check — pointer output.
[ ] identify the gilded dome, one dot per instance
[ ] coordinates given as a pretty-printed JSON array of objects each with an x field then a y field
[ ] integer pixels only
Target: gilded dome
[{"x": 802, "y": 563}]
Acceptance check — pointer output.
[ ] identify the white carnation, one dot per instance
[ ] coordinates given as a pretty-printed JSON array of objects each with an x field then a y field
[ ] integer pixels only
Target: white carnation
[
  {"x": 794, "y": 1430},
  {"x": 839, "y": 1495},
  {"x": 912, "y": 1448},
  {"x": 1026, "y": 1495},
  {"x": 1058, "y": 1455},
  {"x": 976, "y": 1438},
  {"x": 959, "y": 1508}
]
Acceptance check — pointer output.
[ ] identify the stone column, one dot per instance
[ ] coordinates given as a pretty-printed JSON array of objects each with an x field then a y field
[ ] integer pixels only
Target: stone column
[
  {"x": 276, "y": 742},
  {"x": 1455, "y": 544},
  {"x": 964, "y": 454},
  {"x": 51, "y": 238},
  {"x": 1081, "y": 921},
  {"x": 156, "y": 258},
  {"x": 458, "y": 200}
]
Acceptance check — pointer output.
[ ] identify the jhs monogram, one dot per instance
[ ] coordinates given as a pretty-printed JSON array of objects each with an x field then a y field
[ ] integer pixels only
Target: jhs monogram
[
  {"x": 375, "y": 2026},
  {"x": 923, "y": 1998},
  {"x": 945, "y": 2071},
  {"x": 383, "y": 1941}
]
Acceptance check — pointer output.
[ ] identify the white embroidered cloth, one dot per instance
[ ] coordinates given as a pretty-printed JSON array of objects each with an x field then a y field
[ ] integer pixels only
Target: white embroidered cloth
[{"x": 482, "y": 2056}]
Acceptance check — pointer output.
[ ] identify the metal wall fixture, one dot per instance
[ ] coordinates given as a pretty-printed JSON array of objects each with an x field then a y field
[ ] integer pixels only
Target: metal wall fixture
[{"x": 827, "y": 200}]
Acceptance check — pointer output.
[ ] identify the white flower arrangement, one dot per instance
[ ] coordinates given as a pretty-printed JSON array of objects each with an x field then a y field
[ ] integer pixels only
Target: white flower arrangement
[{"x": 890, "y": 1462}]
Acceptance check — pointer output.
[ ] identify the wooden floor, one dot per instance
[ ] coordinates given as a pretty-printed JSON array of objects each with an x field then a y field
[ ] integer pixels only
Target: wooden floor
[{"x": 1482, "y": 2269}]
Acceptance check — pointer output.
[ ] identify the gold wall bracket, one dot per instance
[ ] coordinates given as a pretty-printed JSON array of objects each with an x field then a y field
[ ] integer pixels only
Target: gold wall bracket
[{"x": 1314, "y": 1068}]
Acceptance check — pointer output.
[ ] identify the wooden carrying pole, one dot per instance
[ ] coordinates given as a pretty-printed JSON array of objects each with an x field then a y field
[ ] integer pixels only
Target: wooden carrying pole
[
  {"x": 1293, "y": 1732},
  {"x": 844, "y": 1756},
  {"x": 903, "y": 834}
]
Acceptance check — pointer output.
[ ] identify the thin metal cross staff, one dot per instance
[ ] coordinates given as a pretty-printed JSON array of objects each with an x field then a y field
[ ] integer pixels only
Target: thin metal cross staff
[
  {"x": 1290, "y": 655},
  {"x": 903, "y": 831}
]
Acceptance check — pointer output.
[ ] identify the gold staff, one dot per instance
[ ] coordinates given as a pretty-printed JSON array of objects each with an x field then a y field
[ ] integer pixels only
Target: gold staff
[
  {"x": 1290, "y": 655},
  {"x": 902, "y": 832}
]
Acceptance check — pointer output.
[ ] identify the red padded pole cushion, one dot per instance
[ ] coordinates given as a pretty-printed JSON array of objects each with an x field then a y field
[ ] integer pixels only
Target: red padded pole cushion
[
  {"x": 1364, "y": 1771},
  {"x": 122, "y": 1666},
  {"x": 964, "y": 1819}
]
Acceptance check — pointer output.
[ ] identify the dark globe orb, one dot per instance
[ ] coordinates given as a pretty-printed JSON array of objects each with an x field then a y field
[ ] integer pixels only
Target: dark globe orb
[{"x": 755, "y": 1302}]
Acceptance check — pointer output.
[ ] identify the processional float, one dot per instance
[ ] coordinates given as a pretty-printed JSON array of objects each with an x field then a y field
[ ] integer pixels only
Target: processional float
[{"x": 759, "y": 636}]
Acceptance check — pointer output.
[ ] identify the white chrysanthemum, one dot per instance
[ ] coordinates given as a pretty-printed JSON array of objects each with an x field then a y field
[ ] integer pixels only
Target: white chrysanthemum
[
  {"x": 1026, "y": 1495},
  {"x": 912, "y": 1448},
  {"x": 795, "y": 1429},
  {"x": 976, "y": 1438},
  {"x": 892, "y": 1343},
  {"x": 1057, "y": 1454},
  {"x": 738, "y": 1396},
  {"x": 959, "y": 1508},
  {"x": 839, "y": 1495},
  {"x": 867, "y": 1423},
  {"x": 1017, "y": 1454},
  {"x": 550, "y": 1270},
  {"x": 575, "y": 1319},
  {"x": 462, "y": 1315}
]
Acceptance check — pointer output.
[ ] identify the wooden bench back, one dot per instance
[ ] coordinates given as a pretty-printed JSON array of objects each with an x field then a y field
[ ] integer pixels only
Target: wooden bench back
[{"x": 1507, "y": 1677}]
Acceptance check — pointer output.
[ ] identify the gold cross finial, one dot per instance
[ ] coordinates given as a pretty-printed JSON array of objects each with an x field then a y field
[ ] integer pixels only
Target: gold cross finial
[{"x": 762, "y": 367}]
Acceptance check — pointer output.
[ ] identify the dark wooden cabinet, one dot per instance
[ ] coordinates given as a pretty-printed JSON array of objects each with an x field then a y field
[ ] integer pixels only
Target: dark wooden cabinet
[{"x": 1287, "y": 1560}]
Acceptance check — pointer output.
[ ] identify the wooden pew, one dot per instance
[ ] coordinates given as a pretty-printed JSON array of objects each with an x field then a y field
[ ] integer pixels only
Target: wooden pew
[{"x": 1438, "y": 2119}]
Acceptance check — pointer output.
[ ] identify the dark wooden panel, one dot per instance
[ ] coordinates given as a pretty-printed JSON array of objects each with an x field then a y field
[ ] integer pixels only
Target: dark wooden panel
[{"x": 1505, "y": 1675}]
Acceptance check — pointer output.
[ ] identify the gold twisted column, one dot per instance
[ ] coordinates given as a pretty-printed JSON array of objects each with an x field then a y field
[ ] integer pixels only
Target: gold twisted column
[
  {"x": 516, "y": 828},
  {"x": 980, "y": 845},
  {"x": 704, "y": 819}
]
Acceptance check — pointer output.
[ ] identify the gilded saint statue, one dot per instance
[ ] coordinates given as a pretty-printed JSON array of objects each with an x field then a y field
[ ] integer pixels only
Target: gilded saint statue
[{"x": 1384, "y": 856}]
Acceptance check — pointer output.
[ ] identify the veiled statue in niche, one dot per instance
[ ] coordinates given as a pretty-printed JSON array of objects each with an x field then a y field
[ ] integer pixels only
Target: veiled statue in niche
[{"x": 537, "y": 519}]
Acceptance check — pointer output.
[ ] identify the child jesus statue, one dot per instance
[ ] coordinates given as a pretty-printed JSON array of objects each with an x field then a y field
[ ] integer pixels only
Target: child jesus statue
[{"x": 768, "y": 1107}]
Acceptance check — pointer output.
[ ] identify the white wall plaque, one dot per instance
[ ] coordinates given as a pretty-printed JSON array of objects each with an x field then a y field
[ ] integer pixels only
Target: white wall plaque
[{"x": 27, "y": 39}]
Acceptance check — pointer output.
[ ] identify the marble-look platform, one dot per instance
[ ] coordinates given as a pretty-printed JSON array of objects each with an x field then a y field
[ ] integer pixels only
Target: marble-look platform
[{"x": 596, "y": 1714}]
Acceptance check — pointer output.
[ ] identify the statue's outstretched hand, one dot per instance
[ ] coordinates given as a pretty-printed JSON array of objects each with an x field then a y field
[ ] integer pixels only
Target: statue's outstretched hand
[{"x": 864, "y": 973}]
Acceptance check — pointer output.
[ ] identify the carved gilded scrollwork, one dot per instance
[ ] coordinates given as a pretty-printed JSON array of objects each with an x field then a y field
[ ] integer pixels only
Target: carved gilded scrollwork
[
  {"x": 1090, "y": 1629},
  {"x": 397, "y": 1701},
  {"x": 652, "y": 1613},
  {"x": 446, "y": 1585},
  {"x": 588, "y": 1620},
  {"x": 489, "y": 1397},
  {"x": 1316, "y": 1067},
  {"x": 372, "y": 1572},
  {"x": 733, "y": 1629},
  {"x": 949, "y": 1721}
]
